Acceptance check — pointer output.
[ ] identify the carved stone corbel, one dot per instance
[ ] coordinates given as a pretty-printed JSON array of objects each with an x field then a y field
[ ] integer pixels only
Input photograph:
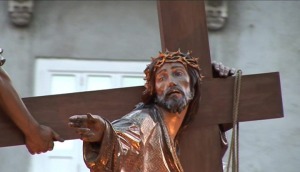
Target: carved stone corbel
[
  {"x": 20, "y": 12},
  {"x": 216, "y": 14}
]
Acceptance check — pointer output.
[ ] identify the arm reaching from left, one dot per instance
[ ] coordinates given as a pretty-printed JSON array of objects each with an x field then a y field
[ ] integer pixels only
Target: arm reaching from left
[{"x": 38, "y": 138}]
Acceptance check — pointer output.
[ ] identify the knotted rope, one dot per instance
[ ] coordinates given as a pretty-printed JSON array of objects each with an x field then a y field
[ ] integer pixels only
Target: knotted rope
[{"x": 234, "y": 145}]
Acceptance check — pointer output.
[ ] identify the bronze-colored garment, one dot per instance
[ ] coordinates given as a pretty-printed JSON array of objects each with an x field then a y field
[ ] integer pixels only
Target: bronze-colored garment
[{"x": 138, "y": 142}]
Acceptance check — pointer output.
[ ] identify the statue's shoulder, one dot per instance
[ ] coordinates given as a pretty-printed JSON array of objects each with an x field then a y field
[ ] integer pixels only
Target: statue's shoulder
[{"x": 137, "y": 117}]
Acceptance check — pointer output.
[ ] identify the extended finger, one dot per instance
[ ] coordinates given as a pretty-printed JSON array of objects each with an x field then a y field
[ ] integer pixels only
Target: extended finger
[{"x": 77, "y": 120}]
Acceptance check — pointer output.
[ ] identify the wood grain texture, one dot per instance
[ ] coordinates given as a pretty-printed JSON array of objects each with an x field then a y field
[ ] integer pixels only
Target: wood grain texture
[
  {"x": 183, "y": 26},
  {"x": 54, "y": 110}
]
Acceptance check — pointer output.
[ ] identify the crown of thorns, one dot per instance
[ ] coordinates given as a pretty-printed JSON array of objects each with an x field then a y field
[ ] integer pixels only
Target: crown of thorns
[
  {"x": 178, "y": 56},
  {"x": 169, "y": 57}
]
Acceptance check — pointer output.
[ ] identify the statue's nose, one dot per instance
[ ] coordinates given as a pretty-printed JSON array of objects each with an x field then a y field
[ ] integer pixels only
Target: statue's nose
[{"x": 172, "y": 84}]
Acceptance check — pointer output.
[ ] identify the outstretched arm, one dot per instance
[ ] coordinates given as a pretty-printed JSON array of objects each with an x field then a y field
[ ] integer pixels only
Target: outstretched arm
[{"x": 38, "y": 138}]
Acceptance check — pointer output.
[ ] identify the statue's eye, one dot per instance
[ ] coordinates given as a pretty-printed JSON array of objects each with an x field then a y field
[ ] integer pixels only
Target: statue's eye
[
  {"x": 178, "y": 73},
  {"x": 161, "y": 77}
]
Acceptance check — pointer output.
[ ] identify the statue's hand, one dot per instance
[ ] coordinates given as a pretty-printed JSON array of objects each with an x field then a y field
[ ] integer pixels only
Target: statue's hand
[
  {"x": 41, "y": 139},
  {"x": 89, "y": 127},
  {"x": 221, "y": 71}
]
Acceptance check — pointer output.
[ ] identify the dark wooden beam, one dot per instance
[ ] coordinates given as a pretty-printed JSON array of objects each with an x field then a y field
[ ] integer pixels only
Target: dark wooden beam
[
  {"x": 260, "y": 99},
  {"x": 55, "y": 110},
  {"x": 183, "y": 25}
]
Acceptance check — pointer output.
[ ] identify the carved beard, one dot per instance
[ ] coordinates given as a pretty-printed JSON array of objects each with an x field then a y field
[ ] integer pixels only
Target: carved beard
[{"x": 171, "y": 102}]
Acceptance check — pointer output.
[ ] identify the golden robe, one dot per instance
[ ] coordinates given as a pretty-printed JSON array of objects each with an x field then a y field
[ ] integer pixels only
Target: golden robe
[{"x": 138, "y": 142}]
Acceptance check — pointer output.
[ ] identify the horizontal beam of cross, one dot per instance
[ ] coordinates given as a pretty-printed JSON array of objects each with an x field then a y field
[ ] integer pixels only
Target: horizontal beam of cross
[{"x": 260, "y": 99}]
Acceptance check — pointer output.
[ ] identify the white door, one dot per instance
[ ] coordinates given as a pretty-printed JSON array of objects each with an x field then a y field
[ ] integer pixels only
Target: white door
[{"x": 55, "y": 76}]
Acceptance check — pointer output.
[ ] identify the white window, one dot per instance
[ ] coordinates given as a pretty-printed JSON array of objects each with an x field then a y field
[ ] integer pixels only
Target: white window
[{"x": 56, "y": 76}]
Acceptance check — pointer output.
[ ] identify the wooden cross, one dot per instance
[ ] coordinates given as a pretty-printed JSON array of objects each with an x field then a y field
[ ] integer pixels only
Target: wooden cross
[{"x": 182, "y": 25}]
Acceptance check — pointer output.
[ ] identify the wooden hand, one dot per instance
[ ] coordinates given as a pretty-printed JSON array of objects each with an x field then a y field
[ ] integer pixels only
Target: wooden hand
[
  {"x": 89, "y": 127},
  {"x": 41, "y": 139},
  {"x": 38, "y": 138},
  {"x": 221, "y": 71}
]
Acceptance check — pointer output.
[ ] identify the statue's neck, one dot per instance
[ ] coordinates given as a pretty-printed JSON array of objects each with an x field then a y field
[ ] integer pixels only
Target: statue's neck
[{"x": 173, "y": 121}]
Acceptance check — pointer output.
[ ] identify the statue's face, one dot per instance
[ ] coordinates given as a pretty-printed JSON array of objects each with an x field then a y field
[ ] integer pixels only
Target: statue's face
[
  {"x": 20, "y": 13},
  {"x": 172, "y": 86}
]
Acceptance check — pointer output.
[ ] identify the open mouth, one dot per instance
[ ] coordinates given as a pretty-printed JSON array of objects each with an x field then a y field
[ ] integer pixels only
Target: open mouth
[{"x": 173, "y": 92}]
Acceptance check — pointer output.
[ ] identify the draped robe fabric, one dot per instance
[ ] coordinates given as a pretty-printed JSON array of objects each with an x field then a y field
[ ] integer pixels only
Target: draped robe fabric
[{"x": 138, "y": 142}]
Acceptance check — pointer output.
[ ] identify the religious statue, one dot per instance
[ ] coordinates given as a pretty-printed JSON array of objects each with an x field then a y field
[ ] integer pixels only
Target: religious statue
[
  {"x": 20, "y": 12},
  {"x": 38, "y": 138},
  {"x": 146, "y": 139}
]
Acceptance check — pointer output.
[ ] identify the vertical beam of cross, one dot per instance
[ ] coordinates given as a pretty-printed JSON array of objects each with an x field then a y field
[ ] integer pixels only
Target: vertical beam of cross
[{"x": 183, "y": 25}]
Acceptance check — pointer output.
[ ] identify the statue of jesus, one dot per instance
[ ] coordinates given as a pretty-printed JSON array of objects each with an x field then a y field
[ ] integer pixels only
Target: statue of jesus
[{"x": 146, "y": 139}]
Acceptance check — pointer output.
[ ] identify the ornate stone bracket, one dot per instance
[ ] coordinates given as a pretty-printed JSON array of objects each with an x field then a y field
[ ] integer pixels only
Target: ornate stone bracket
[
  {"x": 20, "y": 12},
  {"x": 216, "y": 14}
]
